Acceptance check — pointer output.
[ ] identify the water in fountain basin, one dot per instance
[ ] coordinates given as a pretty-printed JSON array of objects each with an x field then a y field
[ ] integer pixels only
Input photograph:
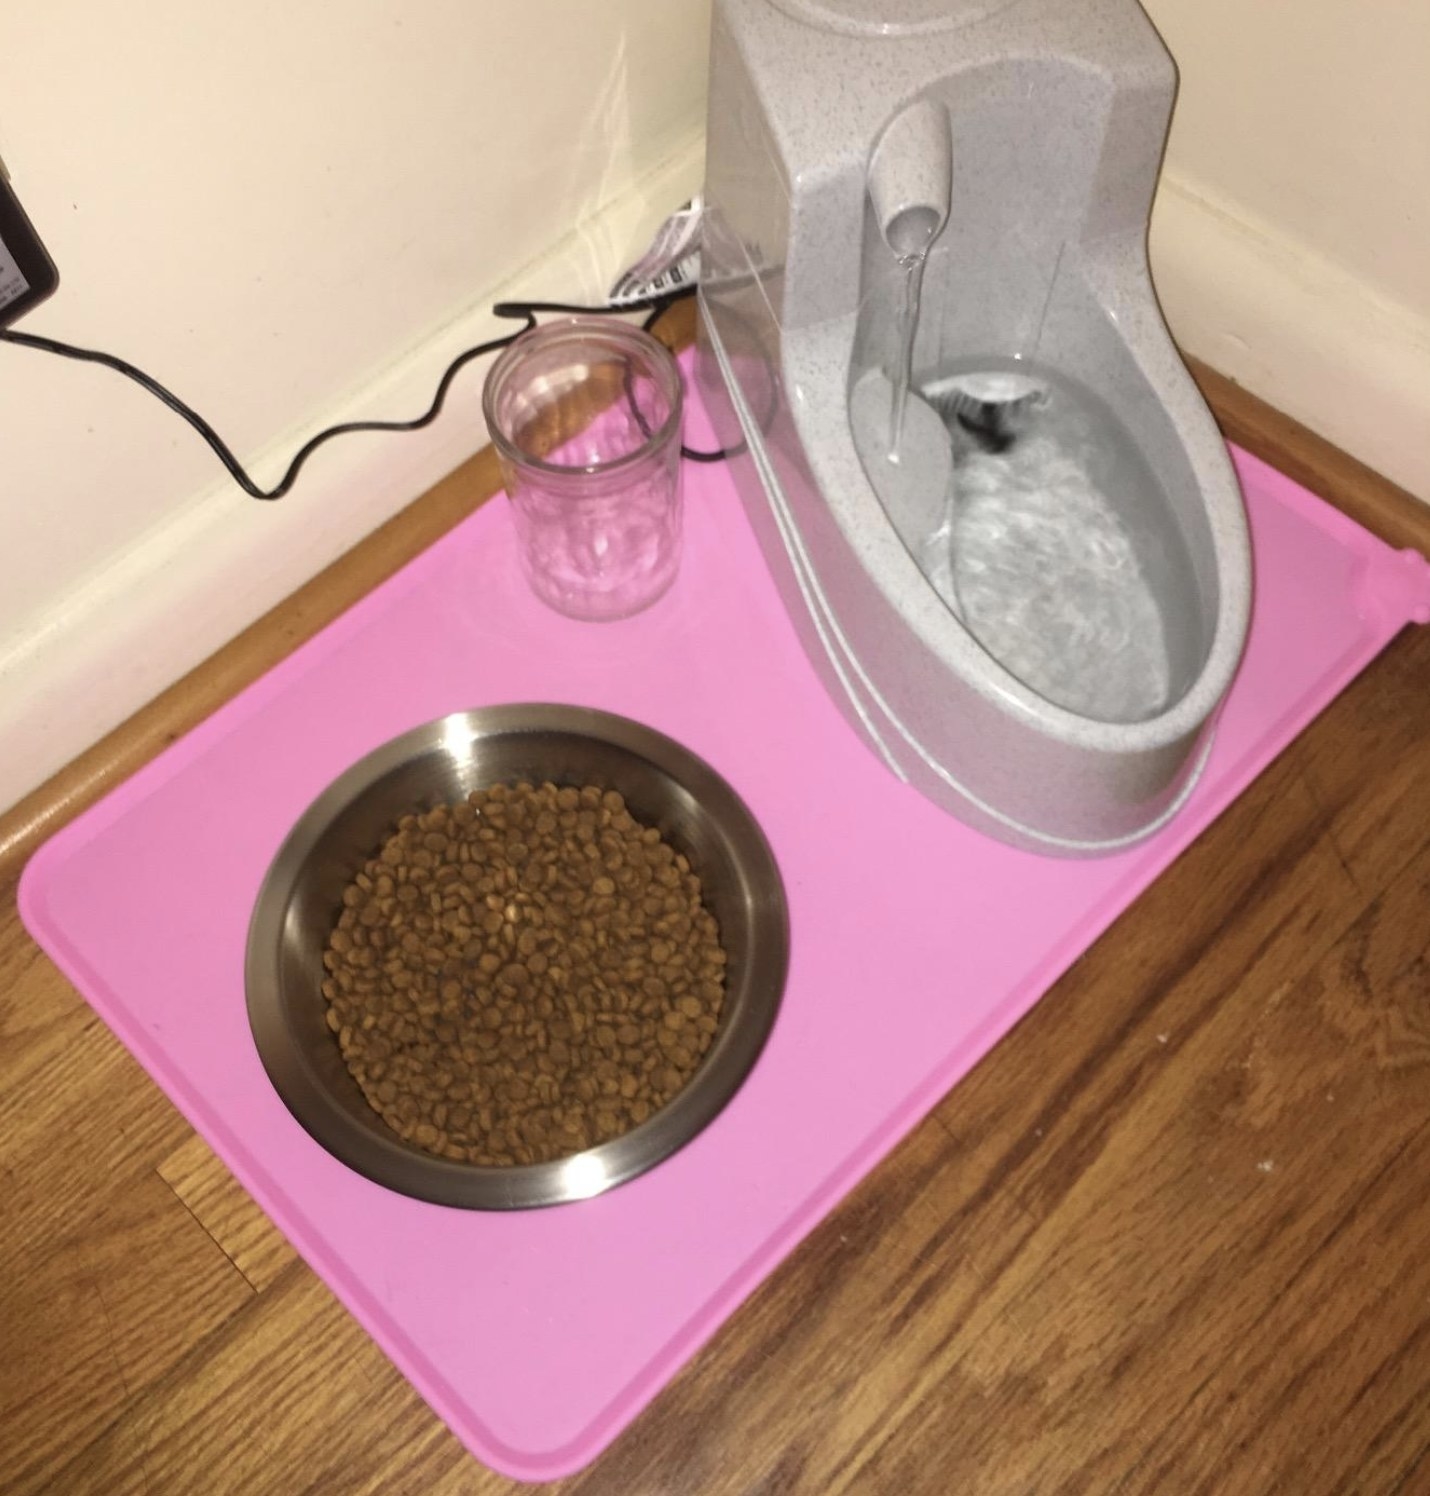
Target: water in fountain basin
[{"x": 1044, "y": 552}]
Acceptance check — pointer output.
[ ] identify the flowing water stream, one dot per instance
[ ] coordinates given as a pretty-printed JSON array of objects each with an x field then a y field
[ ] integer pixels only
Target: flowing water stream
[{"x": 913, "y": 267}]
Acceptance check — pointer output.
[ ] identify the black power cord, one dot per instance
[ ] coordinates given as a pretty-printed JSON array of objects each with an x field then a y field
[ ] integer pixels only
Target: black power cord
[
  {"x": 523, "y": 311},
  {"x": 662, "y": 306}
]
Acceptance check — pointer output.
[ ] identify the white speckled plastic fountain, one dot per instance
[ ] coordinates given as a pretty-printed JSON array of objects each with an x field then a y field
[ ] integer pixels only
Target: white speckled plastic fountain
[{"x": 995, "y": 504}]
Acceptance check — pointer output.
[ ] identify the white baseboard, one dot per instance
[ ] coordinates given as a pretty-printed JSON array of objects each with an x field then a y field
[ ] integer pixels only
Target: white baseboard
[
  {"x": 1317, "y": 343},
  {"x": 115, "y": 640}
]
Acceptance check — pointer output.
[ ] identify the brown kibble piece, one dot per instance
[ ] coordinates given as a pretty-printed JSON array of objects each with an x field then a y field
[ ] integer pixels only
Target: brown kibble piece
[{"x": 523, "y": 975}]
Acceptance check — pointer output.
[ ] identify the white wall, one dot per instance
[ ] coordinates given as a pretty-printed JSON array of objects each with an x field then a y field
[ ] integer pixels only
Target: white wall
[
  {"x": 1291, "y": 241},
  {"x": 297, "y": 213},
  {"x": 292, "y": 213}
]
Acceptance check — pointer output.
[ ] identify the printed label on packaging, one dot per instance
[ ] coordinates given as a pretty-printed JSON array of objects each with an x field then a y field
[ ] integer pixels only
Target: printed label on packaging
[
  {"x": 670, "y": 264},
  {"x": 13, "y": 285}
]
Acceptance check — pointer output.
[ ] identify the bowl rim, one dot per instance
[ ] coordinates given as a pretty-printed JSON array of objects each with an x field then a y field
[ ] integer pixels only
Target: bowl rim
[{"x": 379, "y": 1155}]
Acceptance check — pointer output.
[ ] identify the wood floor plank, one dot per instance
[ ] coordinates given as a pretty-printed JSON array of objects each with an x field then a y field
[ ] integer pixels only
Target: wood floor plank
[
  {"x": 78, "y": 1117},
  {"x": 227, "y": 1212},
  {"x": 89, "y": 1124},
  {"x": 1234, "y": 1259},
  {"x": 1254, "y": 900},
  {"x": 294, "y": 1398},
  {"x": 848, "y": 1323},
  {"x": 1362, "y": 774},
  {"x": 123, "y": 1291},
  {"x": 1326, "y": 1083}
]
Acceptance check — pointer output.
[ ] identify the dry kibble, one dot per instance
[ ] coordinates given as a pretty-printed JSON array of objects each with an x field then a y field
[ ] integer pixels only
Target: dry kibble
[{"x": 523, "y": 975}]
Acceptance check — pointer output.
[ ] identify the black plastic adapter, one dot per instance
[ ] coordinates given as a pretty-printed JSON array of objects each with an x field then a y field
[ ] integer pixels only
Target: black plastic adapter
[{"x": 27, "y": 273}]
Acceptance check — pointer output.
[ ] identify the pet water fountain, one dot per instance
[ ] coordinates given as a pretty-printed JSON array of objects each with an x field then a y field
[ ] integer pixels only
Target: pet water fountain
[{"x": 994, "y": 502}]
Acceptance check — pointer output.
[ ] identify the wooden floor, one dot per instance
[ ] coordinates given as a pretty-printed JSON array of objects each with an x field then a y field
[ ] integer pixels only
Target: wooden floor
[{"x": 1170, "y": 1237}]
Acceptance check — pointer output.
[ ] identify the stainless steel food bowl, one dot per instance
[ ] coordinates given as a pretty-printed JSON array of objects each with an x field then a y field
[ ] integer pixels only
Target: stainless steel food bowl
[{"x": 664, "y": 785}]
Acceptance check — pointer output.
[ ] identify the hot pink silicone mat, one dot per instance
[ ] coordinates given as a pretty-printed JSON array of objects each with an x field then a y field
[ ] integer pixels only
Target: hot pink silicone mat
[{"x": 539, "y": 1336}]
